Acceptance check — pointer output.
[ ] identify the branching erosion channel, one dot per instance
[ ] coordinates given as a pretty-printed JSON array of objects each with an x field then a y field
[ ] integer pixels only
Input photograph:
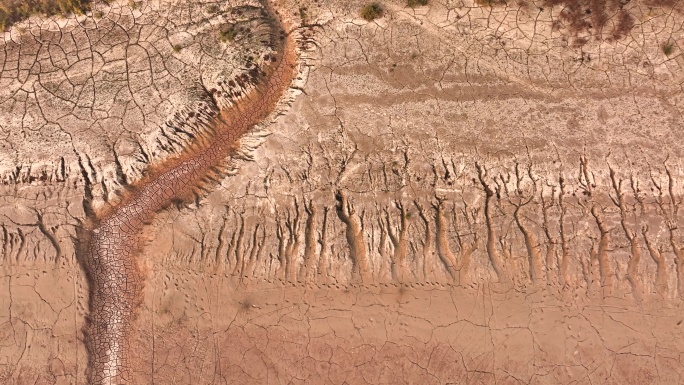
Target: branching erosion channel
[{"x": 110, "y": 247}]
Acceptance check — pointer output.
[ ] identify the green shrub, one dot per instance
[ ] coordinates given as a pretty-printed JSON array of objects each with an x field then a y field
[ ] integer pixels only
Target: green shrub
[
  {"x": 668, "y": 48},
  {"x": 177, "y": 48},
  {"x": 416, "y": 3},
  {"x": 372, "y": 11}
]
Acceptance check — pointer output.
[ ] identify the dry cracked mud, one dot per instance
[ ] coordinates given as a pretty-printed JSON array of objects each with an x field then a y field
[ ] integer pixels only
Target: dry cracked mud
[{"x": 272, "y": 192}]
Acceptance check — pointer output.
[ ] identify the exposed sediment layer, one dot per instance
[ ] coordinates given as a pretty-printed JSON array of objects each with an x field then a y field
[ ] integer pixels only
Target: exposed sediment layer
[{"x": 115, "y": 277}]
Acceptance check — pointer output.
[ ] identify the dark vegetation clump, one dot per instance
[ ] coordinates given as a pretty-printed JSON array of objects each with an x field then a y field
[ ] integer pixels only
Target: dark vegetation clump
[
  {"x": 247, "y": 304},
  {"x": 372, "y": 11},
  {"x": 624, "y": 25},
  {"x": 12, "y": 11},
  {"x": 228, "y": 32},
  {"x": 416, "y": 3},
  {"x": 304, "y": 15},
  {"x": 212, "y": 9},
  {"x": 491, "y": 3},
  {"x": 593, "y": 15},
  {"x": 668, "y": 48}
]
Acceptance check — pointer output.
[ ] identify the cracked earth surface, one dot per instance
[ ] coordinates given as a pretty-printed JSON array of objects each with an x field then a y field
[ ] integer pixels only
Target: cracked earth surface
[{"x": 451, "y": 193}]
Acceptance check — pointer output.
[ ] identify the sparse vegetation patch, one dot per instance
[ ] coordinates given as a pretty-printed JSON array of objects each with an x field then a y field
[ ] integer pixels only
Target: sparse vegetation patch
[
  {"x": 416, "y": 3},
  {"x": 668, "y": 48},
  {"x": 228, "y": 32},
  {"x": 593, "y": 16},
  {"x": 372, "y": 11},
  {"x": 212, "y": 9},
  {"x": 490, "y": 3},
  {"x": 304, "y": 15},
  {"x": 12, "y": 11}
]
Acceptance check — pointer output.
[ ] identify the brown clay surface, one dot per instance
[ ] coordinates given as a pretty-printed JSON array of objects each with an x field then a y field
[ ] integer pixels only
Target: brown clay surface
[{"x": 458, "y": 193}]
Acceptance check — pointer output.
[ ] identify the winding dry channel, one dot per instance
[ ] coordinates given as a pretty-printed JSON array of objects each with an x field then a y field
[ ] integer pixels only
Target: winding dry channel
[{"x": 116, "y": 281}]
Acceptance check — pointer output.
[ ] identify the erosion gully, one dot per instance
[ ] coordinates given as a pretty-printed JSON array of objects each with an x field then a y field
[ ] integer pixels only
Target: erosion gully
[{"x": 111, "y": 249}]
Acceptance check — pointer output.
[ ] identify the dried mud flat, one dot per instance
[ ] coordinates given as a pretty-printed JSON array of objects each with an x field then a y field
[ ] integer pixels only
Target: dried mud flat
[{"x": 451, "y": 193}]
